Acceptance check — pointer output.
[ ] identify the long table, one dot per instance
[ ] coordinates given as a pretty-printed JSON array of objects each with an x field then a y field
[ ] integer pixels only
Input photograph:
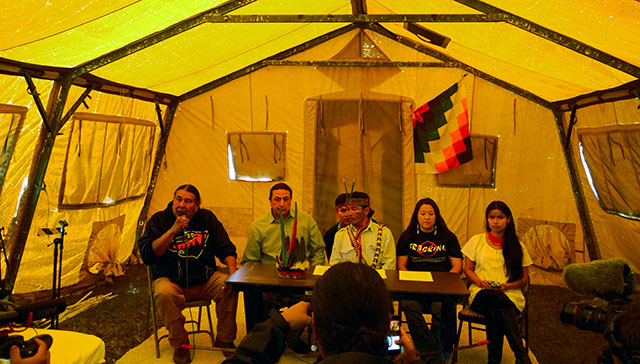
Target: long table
[{"x": 255, "y": 278}]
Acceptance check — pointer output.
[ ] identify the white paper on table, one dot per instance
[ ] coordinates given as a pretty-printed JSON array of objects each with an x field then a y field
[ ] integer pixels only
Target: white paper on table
[
  {"x": 320, "y": 269},
  {"x": 407, "y": 275},
  {"x": 382, "y": 273}
]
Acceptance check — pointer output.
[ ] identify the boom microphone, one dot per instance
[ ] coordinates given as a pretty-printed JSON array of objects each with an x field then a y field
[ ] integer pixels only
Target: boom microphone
[
  {"x": 40, "y": 310},
  {"x": 600, "y": 278}
]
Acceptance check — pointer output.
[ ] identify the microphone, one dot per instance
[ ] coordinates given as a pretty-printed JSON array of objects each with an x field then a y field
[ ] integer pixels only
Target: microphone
[
  {"x": 184, "y": 231},
  {"x": 600, "y": 278},
  {"x": 40, "y": 310}
]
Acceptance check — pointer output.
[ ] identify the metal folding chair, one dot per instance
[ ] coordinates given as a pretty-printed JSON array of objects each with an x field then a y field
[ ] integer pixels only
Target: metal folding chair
[
  {"x": 194, "y": 303},
  {"x": 474, "y": 320}
]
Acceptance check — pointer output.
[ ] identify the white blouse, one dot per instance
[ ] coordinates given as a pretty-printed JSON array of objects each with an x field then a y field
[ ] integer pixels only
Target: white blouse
[{"x": 490, "y": 266}]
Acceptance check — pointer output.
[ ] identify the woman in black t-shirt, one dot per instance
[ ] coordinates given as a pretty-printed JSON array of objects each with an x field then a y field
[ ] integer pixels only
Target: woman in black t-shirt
[{"x": 428, "y": 245}]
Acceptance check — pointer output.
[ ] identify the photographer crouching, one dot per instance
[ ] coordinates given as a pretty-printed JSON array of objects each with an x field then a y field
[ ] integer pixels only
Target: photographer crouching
[
  {"x": 624, "y": 337},
  {"x": 350, "y": 312},
  {"x": 611, "y": 313}
]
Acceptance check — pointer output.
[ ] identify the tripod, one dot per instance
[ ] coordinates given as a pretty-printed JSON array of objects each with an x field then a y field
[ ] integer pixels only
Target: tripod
[{"x": 58, "y": 246}]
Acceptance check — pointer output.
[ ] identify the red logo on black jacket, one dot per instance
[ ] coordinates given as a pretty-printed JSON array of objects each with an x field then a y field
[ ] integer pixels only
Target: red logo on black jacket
[{"x": 190, "y": 244}]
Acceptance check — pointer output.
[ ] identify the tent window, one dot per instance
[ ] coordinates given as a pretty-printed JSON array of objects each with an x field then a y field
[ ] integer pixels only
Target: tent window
[
  {"x": 480, "y": 171},
  {"x": 612, "y": 162},
  {"x": 11, "y": 120},
  {"x": 256, "y": 156},
  {"x": 108, "y": 160}
]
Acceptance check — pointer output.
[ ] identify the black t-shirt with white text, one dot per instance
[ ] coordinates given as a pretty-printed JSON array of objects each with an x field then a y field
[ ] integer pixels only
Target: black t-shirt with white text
[{"x": 429, "y": 251}]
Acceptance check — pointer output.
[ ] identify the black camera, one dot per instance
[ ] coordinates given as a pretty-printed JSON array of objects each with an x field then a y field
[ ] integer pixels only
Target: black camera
[
  {"x": 612, "y": 282},
  {"x": 24, "y": 316},
  {"x": 592, "y": 314},
  {"x": 27, "y": 348}
]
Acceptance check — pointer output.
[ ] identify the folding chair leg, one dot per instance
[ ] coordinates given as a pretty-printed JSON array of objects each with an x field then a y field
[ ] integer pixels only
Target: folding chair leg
[
  {"x": 155, "y": 329},
  {"x": 210, "y": 326},
  {"x": 454, "y": 352},
  {"x": 152, "y": 305},
  {"x": 199, "y": 318},
  {"x": 525, "y": 324}
]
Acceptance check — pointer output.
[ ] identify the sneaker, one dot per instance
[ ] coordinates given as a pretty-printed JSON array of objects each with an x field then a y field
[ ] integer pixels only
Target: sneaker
[
  {"x": 181, "y": 356},
  {"x": 224, "y": 345}
]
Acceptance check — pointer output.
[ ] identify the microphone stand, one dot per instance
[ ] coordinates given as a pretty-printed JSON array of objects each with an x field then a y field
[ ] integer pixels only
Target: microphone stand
[
  {"x": 3, "y": 290},
  {"x": 57, "y": 268}
]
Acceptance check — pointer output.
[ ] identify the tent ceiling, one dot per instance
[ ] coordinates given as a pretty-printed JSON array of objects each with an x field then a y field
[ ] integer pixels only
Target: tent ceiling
[
  {"x": 202, "y": 49},
  {"x": 67, "y": 34}
]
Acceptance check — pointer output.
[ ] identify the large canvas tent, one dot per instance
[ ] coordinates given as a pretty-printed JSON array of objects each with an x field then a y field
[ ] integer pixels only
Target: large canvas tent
[{"x": 107, "y": 106}]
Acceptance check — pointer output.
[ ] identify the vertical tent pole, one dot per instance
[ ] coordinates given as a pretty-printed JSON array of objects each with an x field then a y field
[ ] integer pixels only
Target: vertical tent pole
[
  {"x": 19, "y": 228},
  {"x": 162, "y": 144},
  {"x": 578, "y": 192}
]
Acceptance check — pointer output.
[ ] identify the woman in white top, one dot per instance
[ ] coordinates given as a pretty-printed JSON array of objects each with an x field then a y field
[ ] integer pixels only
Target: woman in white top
[{"x": 498, "y": 266}]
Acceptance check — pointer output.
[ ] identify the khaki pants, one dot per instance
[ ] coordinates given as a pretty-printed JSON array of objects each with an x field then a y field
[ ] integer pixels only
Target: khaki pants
[{"x": 170, "y": 299}]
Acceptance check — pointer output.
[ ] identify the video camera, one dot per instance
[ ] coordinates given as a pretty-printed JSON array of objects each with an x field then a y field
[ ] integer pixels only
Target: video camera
[
  {"x": 612, "y": 282},
  {"x": 27, "y": 348},
  {"x": 22, "y": 317}
]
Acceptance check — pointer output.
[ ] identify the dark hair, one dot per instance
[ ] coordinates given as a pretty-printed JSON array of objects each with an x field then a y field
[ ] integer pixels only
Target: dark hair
[
  {"x": 411, "y": 229},
  {"x": 341, "y": 199},
  {"x": 280, "y": 186},
  {"x": 358, "y": 194},
  {"x": 352, "y": 309},
  {"x": 511, "y": 249},
  {"x": 188, "y": 188}
]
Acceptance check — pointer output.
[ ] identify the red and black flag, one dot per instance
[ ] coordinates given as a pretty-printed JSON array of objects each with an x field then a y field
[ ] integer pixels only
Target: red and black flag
[{"x": 441, "y": 138}]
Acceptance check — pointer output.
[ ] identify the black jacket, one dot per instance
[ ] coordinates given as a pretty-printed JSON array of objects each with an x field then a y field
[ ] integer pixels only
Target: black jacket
[
  {"x": 328, "y": 238},
  {"x": 266, "y": 343},
  {"x": 195, "y": 249}
]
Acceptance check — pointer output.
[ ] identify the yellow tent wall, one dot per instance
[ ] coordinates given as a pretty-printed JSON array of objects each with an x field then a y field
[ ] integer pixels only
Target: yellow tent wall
[
  {"x": 37, "y": 261},
  {"x": 14, "y": 91}
]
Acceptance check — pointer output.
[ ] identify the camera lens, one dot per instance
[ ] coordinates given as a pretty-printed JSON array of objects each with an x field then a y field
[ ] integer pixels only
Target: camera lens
[{"x": 584, "y": 315}]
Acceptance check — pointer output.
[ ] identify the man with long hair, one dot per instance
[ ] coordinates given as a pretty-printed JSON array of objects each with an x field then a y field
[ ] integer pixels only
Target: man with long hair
[{"x": 180, "y": 244}]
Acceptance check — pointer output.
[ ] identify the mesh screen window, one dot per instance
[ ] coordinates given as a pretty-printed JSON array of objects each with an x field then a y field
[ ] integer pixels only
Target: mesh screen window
[
  {"x": 256, "y": 156},
  {"x": 108, "y": 160}
]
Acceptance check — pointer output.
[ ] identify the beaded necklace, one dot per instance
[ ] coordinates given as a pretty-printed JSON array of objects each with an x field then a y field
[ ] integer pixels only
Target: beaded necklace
[
  {"x": 497, "y": 242},
  {"x": 356, "y": 242},
  {"x": 355, "y": 239}
]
